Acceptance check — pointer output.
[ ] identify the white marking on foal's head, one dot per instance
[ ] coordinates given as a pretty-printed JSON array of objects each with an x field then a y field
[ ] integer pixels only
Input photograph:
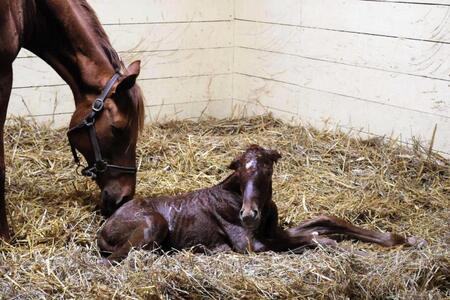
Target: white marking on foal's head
[{"x": 251, "y": 164}]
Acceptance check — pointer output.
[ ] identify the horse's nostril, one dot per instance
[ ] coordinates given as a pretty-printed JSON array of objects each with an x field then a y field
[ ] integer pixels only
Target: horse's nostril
[
  {"x": 104, "y": 193},
  {"x": 119, "y": 200},
  {"x": 255, "y": 213},
  {"x": 241, "y": 213}
]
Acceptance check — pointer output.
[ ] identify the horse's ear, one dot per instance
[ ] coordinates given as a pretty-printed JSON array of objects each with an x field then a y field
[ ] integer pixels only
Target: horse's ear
[
  {"x": 128, "y": 80},
  {"x": 273, "y": 155},
  {"x": 235, "y": 164}
]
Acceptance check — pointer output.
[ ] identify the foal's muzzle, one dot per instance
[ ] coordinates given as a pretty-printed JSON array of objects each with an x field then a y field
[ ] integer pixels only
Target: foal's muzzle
[{"x": 249, "y": 217}]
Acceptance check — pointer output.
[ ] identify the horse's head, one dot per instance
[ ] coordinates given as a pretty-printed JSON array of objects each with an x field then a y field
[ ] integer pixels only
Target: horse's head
[
  {"x": 116, "y": 128},
  {"x": 254, "y": 168}
]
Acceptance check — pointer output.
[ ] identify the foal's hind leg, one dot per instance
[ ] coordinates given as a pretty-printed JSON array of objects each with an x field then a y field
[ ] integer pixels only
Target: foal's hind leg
[
  {"x": 331, "y": 225},
  {"x": 148, "y": 234}
]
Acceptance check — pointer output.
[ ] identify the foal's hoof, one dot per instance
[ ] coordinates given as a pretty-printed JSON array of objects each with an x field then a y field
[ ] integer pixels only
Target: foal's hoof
[
  {"x": 7, "y": 237},
  {"x": 416, "y": 242},
  {"x": 105, "y": 262},
  {"x": 324, "y": 241}
]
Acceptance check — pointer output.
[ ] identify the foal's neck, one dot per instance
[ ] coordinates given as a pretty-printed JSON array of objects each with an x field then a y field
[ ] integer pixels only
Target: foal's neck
[{"x": 69, "y": 37}]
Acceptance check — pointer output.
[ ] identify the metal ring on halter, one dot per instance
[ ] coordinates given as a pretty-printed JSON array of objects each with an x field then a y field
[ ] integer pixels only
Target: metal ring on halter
[
  {"x": 88, "y": 172},
  {"x": 98, "y": 105}
]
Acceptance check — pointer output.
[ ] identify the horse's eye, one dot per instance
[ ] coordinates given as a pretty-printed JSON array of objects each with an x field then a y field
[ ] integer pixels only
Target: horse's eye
[{"x": 116, "y": 131}]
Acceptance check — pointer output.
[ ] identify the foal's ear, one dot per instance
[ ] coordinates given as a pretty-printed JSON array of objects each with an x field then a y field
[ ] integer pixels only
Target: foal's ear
[
  {"x": 235, "y": 164},
  {"x": 273, "y": 155},
  {"x": 128, "y": 80}
]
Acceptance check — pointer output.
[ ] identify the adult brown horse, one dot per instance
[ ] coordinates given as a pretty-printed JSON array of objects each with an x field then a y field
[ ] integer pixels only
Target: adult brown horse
[
  {"x": 69, "y": 37},
  {"x": 237, "y": 214}
]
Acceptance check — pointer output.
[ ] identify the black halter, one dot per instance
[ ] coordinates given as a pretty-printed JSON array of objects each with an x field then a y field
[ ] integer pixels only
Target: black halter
[{"x": 100, "y": 165}]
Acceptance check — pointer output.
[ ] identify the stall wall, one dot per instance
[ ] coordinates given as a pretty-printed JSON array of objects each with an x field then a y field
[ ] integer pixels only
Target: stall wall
[
  {"x": 186, "y": 48},
  {"x": 379, "y": 66}
]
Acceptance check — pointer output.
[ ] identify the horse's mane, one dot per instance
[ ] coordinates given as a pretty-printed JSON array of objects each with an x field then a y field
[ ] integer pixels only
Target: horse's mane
[
  {"x": 114, "y": 59},
  {"x": 103, "y": 39}
]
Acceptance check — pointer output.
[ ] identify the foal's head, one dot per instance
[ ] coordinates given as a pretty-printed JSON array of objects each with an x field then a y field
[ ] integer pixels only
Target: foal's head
[
  {"x": 117, "y": 128},
  {"x": 254, "y": 168}
]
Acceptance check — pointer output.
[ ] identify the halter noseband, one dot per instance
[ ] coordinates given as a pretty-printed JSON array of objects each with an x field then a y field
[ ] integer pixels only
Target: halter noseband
[{"x": 100, "y": 165}]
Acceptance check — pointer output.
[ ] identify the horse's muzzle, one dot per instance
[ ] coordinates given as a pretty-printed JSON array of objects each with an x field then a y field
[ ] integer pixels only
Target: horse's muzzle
[{"x": 111, "y": 201}]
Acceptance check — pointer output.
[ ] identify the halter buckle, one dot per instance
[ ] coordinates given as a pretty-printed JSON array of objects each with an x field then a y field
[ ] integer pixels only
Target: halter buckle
[
  {"x": 88, "y": 122},
  {"x": 98, "y": 105}
]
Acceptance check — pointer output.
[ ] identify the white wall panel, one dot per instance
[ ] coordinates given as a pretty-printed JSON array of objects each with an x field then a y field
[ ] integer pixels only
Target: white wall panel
[
  {"x": 245, "y": 108},
  {"x": 186, "y": 89},
  {"x": 151, "y": 11},
  {"x": 431, "y": 2},
  {"x": 170, "y": 36},
  {"x": 430, "y": 59},
  {"x": 192, "y": 110},
  {"x": 379, "y": 66},
  {"x": 286, "y": 11},
  {"x": 411, "y": 92},
  {"x": 320, "y": 108},
  {"x": 405, "y": 20},
  {"x": 267, "y": 93},
  {"x": 41, "y": 100}
]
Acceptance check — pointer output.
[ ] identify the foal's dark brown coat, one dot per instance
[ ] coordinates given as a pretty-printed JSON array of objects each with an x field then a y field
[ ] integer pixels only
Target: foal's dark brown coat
[
  {"x": 69, "y": 37},
  {"x": 237, "y": 214}
]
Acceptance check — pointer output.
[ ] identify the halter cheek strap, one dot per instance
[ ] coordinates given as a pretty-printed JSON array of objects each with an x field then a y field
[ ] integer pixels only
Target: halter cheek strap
[{"x": 100, "y": 165}]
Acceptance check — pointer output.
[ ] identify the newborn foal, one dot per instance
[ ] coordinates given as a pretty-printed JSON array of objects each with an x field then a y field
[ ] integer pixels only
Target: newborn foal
[{"x": 237, "y": 214}]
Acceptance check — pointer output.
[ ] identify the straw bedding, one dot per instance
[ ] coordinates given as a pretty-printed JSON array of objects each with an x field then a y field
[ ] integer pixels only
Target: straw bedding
[{"x": 374, "y": 183}]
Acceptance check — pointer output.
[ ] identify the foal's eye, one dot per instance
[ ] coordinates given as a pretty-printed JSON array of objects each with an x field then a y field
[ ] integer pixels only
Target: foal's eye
[{"x": 266, "y": 170}]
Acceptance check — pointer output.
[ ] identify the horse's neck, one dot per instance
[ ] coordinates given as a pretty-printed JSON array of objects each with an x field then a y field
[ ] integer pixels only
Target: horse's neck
[{"x": 64, "y": 36}]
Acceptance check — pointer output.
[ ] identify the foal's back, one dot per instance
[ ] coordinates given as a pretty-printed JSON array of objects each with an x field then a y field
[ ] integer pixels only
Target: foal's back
[{"x": 197, "y": 218}]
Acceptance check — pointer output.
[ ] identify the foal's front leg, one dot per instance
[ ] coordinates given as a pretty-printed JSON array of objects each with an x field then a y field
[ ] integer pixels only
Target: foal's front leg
[{"x": 326, "y": 225}]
